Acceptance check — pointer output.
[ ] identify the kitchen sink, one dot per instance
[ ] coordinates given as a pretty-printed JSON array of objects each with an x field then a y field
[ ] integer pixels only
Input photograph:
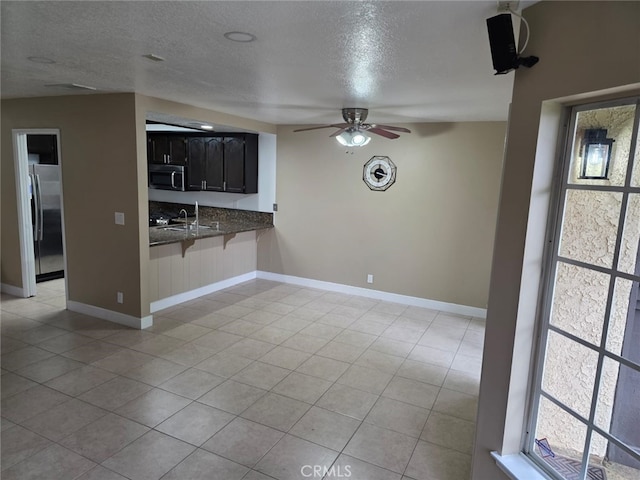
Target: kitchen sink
[{"x": 182, "y": 228}]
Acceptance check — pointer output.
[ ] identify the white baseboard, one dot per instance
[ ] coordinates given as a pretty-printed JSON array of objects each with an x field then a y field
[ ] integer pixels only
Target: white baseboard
[
  {"x": 199, "y": 292},
  {"x": 376, "y": 294},
  {"x": 110, "y": 315},
  {"x": 12, "y": 290}
]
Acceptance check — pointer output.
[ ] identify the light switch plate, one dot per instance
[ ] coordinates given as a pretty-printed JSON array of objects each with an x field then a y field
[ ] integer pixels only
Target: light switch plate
[{"x": 119, "y": 218}]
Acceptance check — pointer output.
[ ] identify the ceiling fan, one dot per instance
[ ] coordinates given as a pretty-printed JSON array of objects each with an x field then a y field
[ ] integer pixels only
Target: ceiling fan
[{"x": 353, "y": 133}]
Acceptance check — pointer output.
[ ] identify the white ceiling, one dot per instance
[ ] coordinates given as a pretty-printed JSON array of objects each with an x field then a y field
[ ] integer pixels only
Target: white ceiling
[{"x": 418, "y": 61}]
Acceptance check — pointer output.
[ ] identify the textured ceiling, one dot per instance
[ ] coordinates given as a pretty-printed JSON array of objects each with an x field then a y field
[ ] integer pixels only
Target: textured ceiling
[{"x": 405, "y": 61}]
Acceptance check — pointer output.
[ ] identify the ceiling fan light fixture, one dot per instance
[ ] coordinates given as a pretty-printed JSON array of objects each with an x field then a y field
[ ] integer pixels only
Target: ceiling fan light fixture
[{"x": 353, "y": 138}]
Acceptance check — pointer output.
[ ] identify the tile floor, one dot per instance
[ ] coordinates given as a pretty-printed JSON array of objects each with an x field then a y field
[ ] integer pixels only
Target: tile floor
[{"x": 260, "y": 381}]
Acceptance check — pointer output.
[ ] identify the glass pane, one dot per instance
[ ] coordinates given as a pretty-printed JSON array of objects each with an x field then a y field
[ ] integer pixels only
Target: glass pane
[
  {"x": 579, "y": 301},
  {"x": 629, "y": 261},
  {"x": 618, "y": 405},
  {"x": 590, "y": 226},
  {"x": 635, "y": 179},
  {"x": 569, "y": 373},
  {"x": 608, "y": 457},
  {"x": 601, "y": 146},
  {"x": 625, "y": 317},
  {"x": 560, "y": 439}
]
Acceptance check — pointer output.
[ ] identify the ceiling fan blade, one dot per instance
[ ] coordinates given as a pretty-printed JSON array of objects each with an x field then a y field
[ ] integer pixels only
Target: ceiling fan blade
[
  {"x": 391, "y": 127},
  {"x": 339, "y": 125},
  {"x": 383, "y": 133}
]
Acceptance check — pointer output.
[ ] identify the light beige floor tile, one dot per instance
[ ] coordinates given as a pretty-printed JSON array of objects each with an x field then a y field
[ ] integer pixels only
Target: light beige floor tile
[
  {"x": 286, "y": 459},
  {"x": 115, "y": 393},
  {"x": 31, "y": 402},
  {"x": 392, "y": 347},
  {"x": 379, "y": 361},
  {"x": 149, "y": 457},
  {"x": 159, "y": 345},
  {"x": 398, "y": 416},
  {"x": 354, "y": 469},
  {"x": 347, "y": 401},
  {"x": 336, "y": 320},
  {"x": 462, "y": 382},
  {"x": 450, "y": 432},
  {"x": 268, "y": 314},
  {"x": 201, "y": 465},
  {"x": 92, "y": 351},
  {"x": 64, "y": 343},
  {"x": 325, "y": 368},
  {"x": 335, "y": 298},
  {"x": 192, "y": 383},
  {"x": 243, "y": 441},
  {"x": 367, "y": 379},
  {"x": 376, "y": 315},
  {"x": 23, "y": 357},
  {"x": 241, "y": 327},
  {"x": 12, "y": 384},
  {"x": 129, "y": 337},
  {"x": 442, "y": 338},
  {"x": 341, "y": 351},
  {"x": 213, "y": 320},
  {"x": 54, "y": 463},
  {"x": 232, "y": 396},
  {"x": 123, "y": 361},
  {"x": 357, "y": 339},
  {"x": 49, "y": 368},
  {"x": 368, "y": 326},
  {"x": 104, "y": 437},
  {"x": 292, "y": 322},
  {"x": 101, "y": 473},
  {"x": 249, "y": 348},
  {"x": 19, "y": 444},
  {"x": 362, "y": 302},
  {"x": 419, "y": 313},
  {"x": 457, "y": 404},
  {"x": 64, "y": 419},
  {"x": 325, "y": 428},
  {"x": 189, "y": 354},
  {"x": 320, "y": 305},
  {"x": 434, "y": 356},
  {"x": 302, "y": 387},
  {"x": 80, "y": 380},
  {"x": 224, "y": 364},
  {"x": 471, "y": 350},
  {"x": 474, "y": 336},
  {"x": 451, "y": 320},
  {"x": 153, "y": 407},
  {"x": 432, "y": 462},
  {"x": 8, "y": 344},
  {"x": 403, "y": 334},
  {"x": 381, "y": 447},
  {"x": 389, "y": 308},
  {"x": 235, "y": 311},
  {"x": 187, "y": 332},
  {"x": 412, "y": 392},
  {"x": 467, "y": 364},
  {"x": 272, "y": 334},
  {"x": 195, "y": 423},
  {"x": 322, "y": 330},
  {"x": 156, "y": 371},
  {"x": 261, "y": 375},
  {"x": 276, "y": 411},
  {"x": 305, "y": 343},
  {"x": 162, "y": 324},
  {"x": 285, "y": 357},
  {"x": 217, "y": 341},
  {"x": 308, "y": 312},
  {"x": 477, "y": 324},
  {"x": 33, "y": 336},
  {"x": 424, "y": 372}
]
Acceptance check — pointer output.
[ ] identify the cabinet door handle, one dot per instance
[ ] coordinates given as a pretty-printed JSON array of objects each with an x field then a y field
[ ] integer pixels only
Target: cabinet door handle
[
  {"x": 224, "y": 186},
  {"x": 205, "y": 184}
]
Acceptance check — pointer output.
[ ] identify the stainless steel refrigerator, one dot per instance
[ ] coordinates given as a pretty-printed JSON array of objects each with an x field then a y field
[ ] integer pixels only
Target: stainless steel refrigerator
[{"x": 47, "y": 220}]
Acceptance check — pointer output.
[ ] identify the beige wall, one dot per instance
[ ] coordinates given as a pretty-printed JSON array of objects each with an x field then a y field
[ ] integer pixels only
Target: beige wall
[
  {"x": 560, "y": 34},
  {"x": 100, "y": 176},
  {"x": 429, "y": 235}
]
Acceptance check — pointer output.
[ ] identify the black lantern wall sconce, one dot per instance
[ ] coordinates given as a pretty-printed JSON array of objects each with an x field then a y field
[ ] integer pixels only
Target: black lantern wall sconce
[{"x": 596, "y": 154}]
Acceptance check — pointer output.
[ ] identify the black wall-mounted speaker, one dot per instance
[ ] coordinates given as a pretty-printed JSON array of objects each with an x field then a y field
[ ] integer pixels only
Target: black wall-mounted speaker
[{"x": 503, "y": 45}]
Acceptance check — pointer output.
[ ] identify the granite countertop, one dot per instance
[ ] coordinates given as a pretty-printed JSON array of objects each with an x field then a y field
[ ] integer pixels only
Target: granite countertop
[{"x": 213, "y": 222}]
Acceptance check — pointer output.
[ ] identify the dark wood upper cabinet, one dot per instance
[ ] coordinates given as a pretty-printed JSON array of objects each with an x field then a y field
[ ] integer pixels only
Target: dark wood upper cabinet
[
  {"x": 225, "y": 162},
  {"x": 168, "y": 149}
]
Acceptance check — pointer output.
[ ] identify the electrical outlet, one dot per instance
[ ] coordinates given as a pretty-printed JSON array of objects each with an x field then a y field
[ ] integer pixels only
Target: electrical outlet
[
  {"x": 369, "y": 278},
  {"x": 275, "y": 207},
  {"x": 120, "y": 297},
  {"x": 507, "y": 6},
  {"x": 119, "y": 218}
]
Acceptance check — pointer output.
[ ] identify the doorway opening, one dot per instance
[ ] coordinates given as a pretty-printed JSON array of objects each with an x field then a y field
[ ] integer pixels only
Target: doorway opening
[{"x": 40, "y": 212}]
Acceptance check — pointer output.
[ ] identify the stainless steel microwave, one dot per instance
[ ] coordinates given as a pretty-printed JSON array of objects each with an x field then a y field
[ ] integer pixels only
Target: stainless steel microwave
[{"x": 167, "y": 177}]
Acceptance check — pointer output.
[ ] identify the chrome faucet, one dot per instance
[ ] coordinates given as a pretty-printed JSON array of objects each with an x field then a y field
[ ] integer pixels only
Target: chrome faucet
[
  {"x": 197, "y": 220},
  {"x": 186, "y": 224}
]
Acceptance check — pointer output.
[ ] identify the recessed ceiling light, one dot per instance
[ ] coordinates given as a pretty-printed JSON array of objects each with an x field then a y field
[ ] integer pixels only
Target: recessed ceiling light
[
  {"x": 242, "y": 37},
  {"x": 155, "y": 58},
  {"x": 207, "y": 127},
  {"x": 41, "y": 60},
  {"x": 71, "y": 86}
]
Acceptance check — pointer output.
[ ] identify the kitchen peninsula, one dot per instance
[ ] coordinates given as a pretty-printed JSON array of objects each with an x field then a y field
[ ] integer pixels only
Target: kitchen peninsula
[{"x": 188, "y": 261}]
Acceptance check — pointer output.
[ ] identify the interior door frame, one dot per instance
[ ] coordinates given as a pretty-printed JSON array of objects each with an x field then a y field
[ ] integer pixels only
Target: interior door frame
[{"x": 25, "y": 232}]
